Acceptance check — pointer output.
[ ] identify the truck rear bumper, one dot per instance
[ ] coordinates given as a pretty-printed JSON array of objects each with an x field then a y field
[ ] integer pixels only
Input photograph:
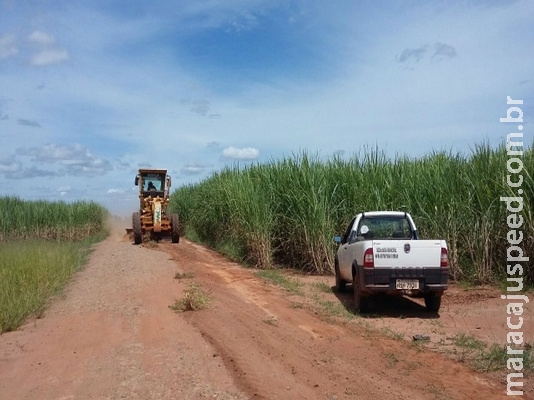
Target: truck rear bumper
[{"x": 383, "y": 280}]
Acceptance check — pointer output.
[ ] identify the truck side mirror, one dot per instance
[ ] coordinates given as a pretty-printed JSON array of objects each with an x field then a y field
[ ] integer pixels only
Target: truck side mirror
[{"x": 136, "y": 180}]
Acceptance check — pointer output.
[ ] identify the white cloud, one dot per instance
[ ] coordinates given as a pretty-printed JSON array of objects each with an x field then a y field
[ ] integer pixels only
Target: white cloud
[
  {"x": 63, "y": 190},
  {"x": 115, "y": 191},
  {"x": 194, "y": 168},
  {"x": 47, "y": 52},
  {"x": 41, "y": 38},
  {"x": 119, "y": 164},
  {"x": 49, "y": 56},
  {"x": 243, "y": 22},
  {"x": 52, "y": 153},
  {"x": 9, "y": 165},
  {"x": 246, "y": 153},
  {"x": 74, "y": 159},
  {"x": 31, "y": 172},
  {"x": 8, "y": 47}
]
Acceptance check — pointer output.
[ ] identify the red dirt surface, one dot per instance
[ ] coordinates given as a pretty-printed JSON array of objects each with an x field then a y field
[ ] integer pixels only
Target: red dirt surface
[{"x": 113, "y": 335}]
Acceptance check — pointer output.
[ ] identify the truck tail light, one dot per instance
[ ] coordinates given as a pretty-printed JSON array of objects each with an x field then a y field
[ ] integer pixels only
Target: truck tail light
[
  {"x": 444, "y": 258},
  {"x": 368, "y": 259}
]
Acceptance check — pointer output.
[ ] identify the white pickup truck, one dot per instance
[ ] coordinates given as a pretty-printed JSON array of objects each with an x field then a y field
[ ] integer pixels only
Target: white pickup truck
[{"x": 381, "y": 252}]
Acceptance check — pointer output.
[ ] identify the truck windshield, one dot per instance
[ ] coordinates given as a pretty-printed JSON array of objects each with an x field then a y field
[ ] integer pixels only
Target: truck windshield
[{"x": 385, "y": 228}]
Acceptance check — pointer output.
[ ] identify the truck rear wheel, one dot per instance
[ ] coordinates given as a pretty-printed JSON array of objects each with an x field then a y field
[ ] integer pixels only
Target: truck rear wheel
[
  {"x": 360, "y": 302},
  {"x": 136, "y": 224},
  {"x": 175, "y": 228},
  {"x": 432, "y": 301}
]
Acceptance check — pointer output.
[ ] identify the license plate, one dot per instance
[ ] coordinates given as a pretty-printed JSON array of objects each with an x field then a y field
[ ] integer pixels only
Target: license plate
[{"x": 407, "y": 284}]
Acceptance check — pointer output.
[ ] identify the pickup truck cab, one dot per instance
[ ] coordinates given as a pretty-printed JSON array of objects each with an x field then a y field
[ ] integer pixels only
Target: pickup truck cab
[{"x": 380, "y": 252}]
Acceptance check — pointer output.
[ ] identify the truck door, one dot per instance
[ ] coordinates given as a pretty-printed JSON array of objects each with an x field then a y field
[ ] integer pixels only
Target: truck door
[{"x": 345, "y": 251}]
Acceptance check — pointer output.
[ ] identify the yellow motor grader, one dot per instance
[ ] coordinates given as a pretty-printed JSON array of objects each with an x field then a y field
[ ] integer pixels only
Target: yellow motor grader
[{"x": 152, "y": 218}]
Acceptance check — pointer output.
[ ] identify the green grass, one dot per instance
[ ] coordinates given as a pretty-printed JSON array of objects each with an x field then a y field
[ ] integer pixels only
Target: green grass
[
  {"x": 271, "y": 321},
  {"x": 286, "y": 212},
  {"x": 293, "y": 286},
  {"x": 184, "y": 275},
  {"x": 21, "y": 219},
  {"x": 322, "y": 287},
  {"x": 391, "y": 359},
  {"x": 329, "y": 308},
  {"x": 486, "y": 358},
  {"x": 387, "y": 331},
  {"x": 41, "y": 245},
  {"x": 30, "y": 273},
  {"x": 468, "y": 342},
  {"x": 193, "y": 299}
]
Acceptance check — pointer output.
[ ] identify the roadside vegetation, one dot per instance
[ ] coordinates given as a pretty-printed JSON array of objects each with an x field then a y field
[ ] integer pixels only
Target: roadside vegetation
[
  {"x": 194, "y": 298},
  {"x": 286, "y": 212},
  {"x": 20, "y": 219},
  {"x": 485, "y": 358},
  {"x": 41, "y": 245},
  {"x": 292, "y": 285}
]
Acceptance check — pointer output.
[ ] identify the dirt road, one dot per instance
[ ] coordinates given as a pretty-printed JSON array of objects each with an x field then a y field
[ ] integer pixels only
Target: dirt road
[{"x": 113, "y": 336}]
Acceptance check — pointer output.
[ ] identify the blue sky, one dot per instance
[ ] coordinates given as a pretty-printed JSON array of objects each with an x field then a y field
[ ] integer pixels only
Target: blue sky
[{"x": 92, "y": 90}]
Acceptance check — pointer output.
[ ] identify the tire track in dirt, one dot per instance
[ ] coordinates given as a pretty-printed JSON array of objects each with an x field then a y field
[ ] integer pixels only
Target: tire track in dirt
[
  {"x": 113, "y": 336},
  {"x": 277, "y": 351}
]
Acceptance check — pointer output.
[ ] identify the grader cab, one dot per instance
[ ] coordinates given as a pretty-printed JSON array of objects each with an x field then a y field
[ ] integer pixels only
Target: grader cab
[{"x": 152, "y": 219}]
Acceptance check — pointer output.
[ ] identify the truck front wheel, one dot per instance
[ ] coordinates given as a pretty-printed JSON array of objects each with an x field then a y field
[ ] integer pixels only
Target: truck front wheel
[{"x": 340, "y": 283}]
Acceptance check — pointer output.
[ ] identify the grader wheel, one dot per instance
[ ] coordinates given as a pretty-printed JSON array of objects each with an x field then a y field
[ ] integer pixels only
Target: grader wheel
[{"x": 136, "y": 224}]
